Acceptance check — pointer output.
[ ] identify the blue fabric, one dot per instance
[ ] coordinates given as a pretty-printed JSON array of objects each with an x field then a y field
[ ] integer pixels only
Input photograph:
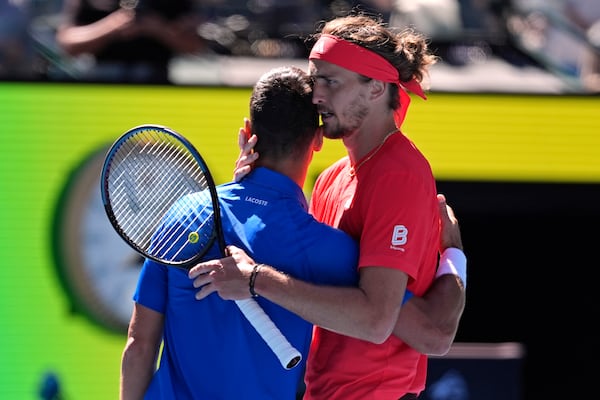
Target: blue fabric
[
  {"x": 407, "y": 296},
  {"x": 210, "y": 350}
]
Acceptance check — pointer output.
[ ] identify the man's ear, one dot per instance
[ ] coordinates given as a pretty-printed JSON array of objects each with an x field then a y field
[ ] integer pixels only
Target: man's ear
[
  {"x": 377, "y": 88},
  {"x": 318, "y": 140}
]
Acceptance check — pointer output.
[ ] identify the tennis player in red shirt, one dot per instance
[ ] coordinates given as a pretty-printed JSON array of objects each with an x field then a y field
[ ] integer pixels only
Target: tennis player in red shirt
[{"x": 366, "y": 343}]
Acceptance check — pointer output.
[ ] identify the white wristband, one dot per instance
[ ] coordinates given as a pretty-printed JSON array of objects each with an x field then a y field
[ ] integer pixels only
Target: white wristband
[{"x": 453, "y": 261}]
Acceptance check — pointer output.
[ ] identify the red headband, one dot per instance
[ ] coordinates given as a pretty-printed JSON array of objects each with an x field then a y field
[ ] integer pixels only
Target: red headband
[{"x": 345, "y": 54}]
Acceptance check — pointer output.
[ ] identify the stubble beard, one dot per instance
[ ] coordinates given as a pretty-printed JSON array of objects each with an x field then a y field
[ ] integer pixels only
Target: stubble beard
[
  {"x": 330, "y": 132},
  {"x": 355, "y": 117}
]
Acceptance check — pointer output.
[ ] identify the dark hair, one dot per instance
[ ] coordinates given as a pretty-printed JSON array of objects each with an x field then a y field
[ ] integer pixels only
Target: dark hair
[
  {"x": 406, "y": 49},
  {"x": 282, "y": 113}
]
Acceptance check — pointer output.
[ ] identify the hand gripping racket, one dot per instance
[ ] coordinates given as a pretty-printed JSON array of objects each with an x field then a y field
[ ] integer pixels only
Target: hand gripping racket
[{"x": 153, "y": 182}]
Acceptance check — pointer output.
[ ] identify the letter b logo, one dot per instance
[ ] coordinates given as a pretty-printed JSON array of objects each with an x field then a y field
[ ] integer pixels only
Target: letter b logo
[{"x": 400, "y": 235}]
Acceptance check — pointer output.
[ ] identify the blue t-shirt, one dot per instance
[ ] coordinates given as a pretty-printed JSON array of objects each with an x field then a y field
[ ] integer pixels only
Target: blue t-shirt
[{"x": 210, "y": 350}]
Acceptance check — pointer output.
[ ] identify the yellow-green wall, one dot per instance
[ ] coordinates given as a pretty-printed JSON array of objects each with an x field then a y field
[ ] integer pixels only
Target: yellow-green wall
[{"x": 48, "y": 129}]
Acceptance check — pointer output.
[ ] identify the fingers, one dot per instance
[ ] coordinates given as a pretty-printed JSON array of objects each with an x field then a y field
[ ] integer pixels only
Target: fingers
[
  {"x": 248, "y": 148},
  {"x": 248, "y": 156},
  {"x": 247, "y": 127},
  {"x": 446, "y": 212},
  {"x": 244, "y": 135},
  {"x": 232, "y": 250},
  {"x": 203, "y": 275},
  {"x": 239, "y": 173},
  {"x": 204, "y": 291},
  {"x": 242, "y": 139},
  {"x": 213, "y": 265},
  {"x": 246, "y": 140},
  {"x": 441, "y": 201},
  {"x": 245, "y": 160},
  {"x": 204, "y": 279},
  {"x": 450, "y": 231},
  {"x": 203, "y": 268}
]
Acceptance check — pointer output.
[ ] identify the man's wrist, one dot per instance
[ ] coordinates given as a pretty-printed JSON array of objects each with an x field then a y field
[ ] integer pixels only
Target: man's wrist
[
  {"x": 252, "y": 280},
  {"x": 453, "y": 261}
]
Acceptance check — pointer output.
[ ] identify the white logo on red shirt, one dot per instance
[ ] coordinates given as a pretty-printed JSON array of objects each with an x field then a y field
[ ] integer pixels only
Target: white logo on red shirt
[{"x": 399, "y": 235}]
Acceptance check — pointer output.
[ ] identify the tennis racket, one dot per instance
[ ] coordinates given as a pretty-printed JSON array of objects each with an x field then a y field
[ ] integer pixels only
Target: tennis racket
[{"x": 161, "y": 199}]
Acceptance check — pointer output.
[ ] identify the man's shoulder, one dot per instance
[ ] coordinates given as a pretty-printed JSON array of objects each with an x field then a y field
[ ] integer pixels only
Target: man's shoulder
[
  {"x": 331, "y": 172},
  {"x": 337, "y": 165}
]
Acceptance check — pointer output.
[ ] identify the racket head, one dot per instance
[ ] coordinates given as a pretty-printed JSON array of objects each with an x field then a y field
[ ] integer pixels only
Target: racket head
[{"x": 160, "y": 197}]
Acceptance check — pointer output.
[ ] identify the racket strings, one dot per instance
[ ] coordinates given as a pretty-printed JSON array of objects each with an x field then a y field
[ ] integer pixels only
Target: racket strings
[
  {"x": 174, "y": 236},
  {"x": 151, "y": 173},
  {"x": 141, "y": 186}
]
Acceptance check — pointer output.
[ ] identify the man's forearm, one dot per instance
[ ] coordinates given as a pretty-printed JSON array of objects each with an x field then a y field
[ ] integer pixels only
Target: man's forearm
[
  {"x": 346, "y": 310},
  {"x": 136, "y": 374},
  {"x": 429, "y": 323}
]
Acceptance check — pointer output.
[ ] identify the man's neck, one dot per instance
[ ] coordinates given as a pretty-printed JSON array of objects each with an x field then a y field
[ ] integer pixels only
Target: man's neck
[
  {"x": 294, "y": 169},
  {"x": 366, "y": 139}
]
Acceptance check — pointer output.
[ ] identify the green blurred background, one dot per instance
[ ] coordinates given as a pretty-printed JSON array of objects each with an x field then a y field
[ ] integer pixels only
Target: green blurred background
[{"x": 49, "y": 130}]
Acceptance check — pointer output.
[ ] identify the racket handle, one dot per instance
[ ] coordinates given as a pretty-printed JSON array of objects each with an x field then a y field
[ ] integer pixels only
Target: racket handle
[{"x": 288, "y": 356}]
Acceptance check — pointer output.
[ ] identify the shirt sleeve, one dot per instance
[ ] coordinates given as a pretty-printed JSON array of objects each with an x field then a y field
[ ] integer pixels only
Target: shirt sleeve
[
  {"x": 398, "y": 223},
  {"x": 151, "y": 290}
]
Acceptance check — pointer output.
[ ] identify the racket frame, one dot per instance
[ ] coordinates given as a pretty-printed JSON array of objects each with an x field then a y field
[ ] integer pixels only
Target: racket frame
[{"x": 217, "y": 233}]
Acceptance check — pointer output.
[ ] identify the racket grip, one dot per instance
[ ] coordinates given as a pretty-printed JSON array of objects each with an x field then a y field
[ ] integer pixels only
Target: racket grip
[{"x": 288, "y": 356}]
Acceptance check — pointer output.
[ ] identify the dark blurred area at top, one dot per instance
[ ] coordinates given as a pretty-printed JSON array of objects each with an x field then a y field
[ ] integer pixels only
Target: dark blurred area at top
[{"x": 532, "y": 35}]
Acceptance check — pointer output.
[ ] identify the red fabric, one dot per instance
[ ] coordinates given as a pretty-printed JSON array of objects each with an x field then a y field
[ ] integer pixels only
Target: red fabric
[
  {"x": 393, "y": 189},
  {"x": 345, "y": 54}
]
